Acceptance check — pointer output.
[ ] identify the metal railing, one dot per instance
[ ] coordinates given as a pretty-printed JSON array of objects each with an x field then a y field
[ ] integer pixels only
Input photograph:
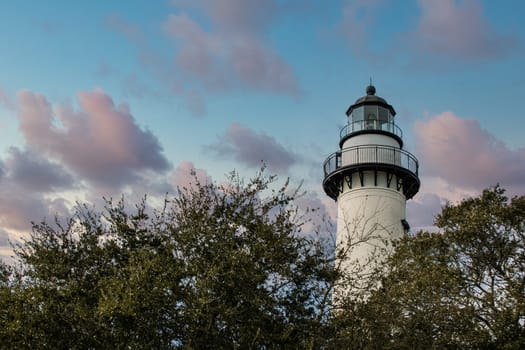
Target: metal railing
[
  {"x": 371, "y": 154},
  {"x": 363, "y": 125}
]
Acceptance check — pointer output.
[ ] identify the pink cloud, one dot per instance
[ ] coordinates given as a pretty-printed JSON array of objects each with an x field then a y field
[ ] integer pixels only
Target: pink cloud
[
  {"x": 454, "y": 30},
  {"x": 219, "y": 46},
  {"x": 233, "y": 16},
  {"x": 253, "y": 149},
  {"x": 168, "y": 72},
  {"x": 260, "y": 67},
  {"x": 465, "y": 155},
  {"x": 357, "y": 21},
  {"x": 186, "y": 174},
  {"x": 458, "y": 29},
  {"x": 100, "y": 142},
  {"x": 132, "y": 31},
  {"x": 234, "y": 54},
  {"x": 196, "y": 56},
  {"x": 18, "y": 207},
  {"x": 35, "y": 173}
]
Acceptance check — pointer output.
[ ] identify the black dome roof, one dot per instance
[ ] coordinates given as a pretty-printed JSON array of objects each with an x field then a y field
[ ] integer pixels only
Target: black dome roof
[{"x": 370, "y": 99}]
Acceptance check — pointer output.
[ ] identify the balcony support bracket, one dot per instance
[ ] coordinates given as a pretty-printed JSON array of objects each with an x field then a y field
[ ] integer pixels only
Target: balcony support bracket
[
  {"x": 348, "y": 180},
  {"x": 389, "y": 177}
]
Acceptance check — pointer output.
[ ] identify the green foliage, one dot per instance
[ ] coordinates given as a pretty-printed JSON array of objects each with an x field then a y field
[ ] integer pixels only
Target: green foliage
[
  {"x": 228, "y": 267},
  {"x": 217, "y": 267},
  {"x": 462, "y": 288}
]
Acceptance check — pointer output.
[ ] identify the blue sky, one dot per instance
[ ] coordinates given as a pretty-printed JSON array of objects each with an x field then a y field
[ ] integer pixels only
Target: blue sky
[{"x": 100, "y": 98}]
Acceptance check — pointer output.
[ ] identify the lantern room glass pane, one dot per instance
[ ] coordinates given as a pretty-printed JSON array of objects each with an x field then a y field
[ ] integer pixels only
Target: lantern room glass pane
[
  {"x": 371, "y": 118},
  {"x": 383, "y": 115},
  {"x": 370, "y": 113},
  {"x": 357, "y": 115}
]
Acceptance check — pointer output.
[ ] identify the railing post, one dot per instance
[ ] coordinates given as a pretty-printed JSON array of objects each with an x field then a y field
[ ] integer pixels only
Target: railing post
[{"x": 394, "y": 158}]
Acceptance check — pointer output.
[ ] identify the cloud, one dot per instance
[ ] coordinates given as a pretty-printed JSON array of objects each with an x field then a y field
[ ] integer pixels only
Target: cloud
[
  {"x": 252, "y": 17},
  {"x": 358, "y": 20},
  {"x": 34, "y": 173},
  {"x": 465, "y": 155},
  {"x": 100, "y": 143},
  {"x": 233, "y": 16},
  {"x": 234, "y": 54},
  {"x": 5, "y": 246},
  {"x": 218, "y": 46},
  {"x": 5, "y": 100},
  {"x": 253, "y": 149},
  {"x": 19, "y": 206},
  {"x": 75, "y": 153},
  {"x": 321, "y": 215},
  {"x": 133, "y": 86},
  {"x": 447, "y": 31},
  {"x": 196, "y": 103},
  {"x": 4, "y": 238},
  {"x": 25, "y": 180},
  {"x": 118, "y": 23},
  {"x": 186, "y": 175},
  {"x": 458, "y": 29},
  {"x": 422, "y": 211},
  {"x": 104, "y": 70}
]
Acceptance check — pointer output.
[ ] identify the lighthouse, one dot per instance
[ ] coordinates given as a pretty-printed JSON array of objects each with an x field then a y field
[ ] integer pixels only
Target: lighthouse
[{"x": 370, "y": 177}]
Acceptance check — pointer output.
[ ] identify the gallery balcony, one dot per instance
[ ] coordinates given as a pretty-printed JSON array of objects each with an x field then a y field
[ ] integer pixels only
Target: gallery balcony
[
  {"x": 391, "y": 160},
  {"x": 371, "y": 126}
]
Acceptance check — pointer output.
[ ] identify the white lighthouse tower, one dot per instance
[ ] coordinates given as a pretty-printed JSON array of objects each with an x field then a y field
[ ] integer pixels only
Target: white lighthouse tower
[{"x": 371, "y": 177}]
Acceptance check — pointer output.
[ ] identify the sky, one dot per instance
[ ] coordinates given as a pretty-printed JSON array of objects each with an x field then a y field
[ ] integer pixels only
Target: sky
[{"x": 110, "y": 98}]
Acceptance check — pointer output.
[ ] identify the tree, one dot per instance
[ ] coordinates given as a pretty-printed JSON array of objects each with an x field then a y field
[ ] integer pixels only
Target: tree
[
  {"x": 217, "y": 267},
  {"x": 229, "y": 267},
  {"x": 463, "y": 287}
]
